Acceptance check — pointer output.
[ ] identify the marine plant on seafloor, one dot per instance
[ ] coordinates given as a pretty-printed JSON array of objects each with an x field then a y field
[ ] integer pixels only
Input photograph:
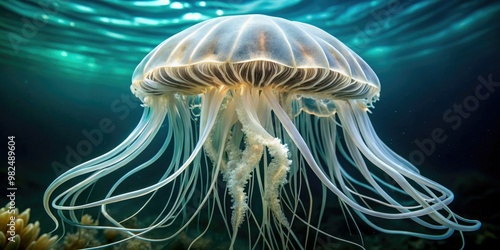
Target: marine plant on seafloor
[{"x": 17, "y": 233}]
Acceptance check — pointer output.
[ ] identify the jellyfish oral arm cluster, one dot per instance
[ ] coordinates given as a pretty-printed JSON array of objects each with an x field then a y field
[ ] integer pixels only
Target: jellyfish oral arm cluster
[{"x": 261, "y": 122}]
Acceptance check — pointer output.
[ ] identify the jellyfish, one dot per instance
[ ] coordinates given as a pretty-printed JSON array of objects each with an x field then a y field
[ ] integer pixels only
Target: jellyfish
[{"x": 253, "y": 113}]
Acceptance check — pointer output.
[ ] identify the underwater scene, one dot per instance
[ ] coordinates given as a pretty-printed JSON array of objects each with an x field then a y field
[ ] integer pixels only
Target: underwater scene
[{"x": 237, "y": 124}]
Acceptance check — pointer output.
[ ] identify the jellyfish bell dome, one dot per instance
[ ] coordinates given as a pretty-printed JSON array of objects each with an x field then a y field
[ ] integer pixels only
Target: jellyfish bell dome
[{"x": 259, "y": 51}]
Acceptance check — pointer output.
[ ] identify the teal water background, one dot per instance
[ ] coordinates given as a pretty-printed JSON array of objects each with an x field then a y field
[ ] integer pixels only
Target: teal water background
[{"x": 66, "y": 68}]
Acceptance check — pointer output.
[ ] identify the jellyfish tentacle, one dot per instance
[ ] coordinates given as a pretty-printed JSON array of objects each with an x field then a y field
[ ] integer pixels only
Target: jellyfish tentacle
[
  {"x": 276, "y": 171},
  {"x": 67, "y": 200},
  {"x": 241, "y": 164},
  {"x": 178, "y": 121},
  {"x": 399, "y": 173},
  {"x": 308, "y": 156},
  {"x": 237, "y": 174},
  {"x": 101, "y": 165}
]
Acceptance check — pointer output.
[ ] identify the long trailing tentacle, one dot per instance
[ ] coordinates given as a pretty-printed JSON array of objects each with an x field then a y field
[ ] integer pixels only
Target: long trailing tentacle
[
  {"x": 96, "y": 169},
  {"x": 132, "y": 143},
  {"x": 429, "y": 204}
]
